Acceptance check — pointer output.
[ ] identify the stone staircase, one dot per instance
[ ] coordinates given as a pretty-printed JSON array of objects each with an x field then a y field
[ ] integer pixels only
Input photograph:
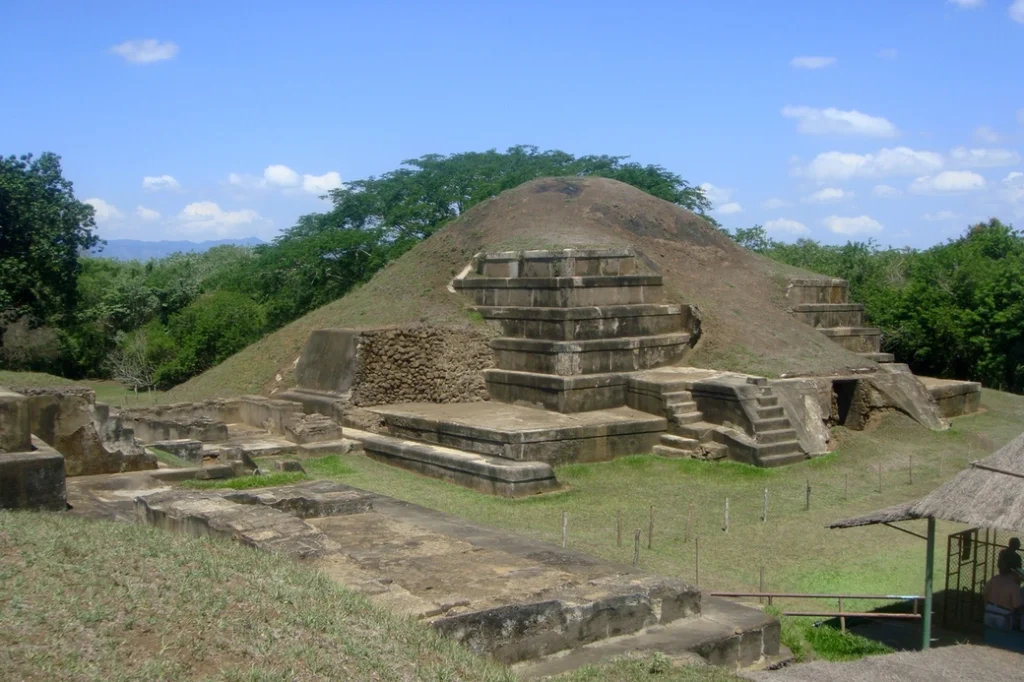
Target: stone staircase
[
  {"x": 774, "y": 433},
  {"x": 824, "y": 304},
  {"x": 574, "y": 323}
]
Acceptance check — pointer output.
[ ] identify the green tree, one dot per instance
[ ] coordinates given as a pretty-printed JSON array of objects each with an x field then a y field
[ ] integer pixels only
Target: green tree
[{"x": 42, "y": 230}]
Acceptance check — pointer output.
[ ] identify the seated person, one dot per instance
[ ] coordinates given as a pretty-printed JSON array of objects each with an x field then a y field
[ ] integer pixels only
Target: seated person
[
  {"x": 1008, "y": 557},
  {"x": 1003, "y": 602}
]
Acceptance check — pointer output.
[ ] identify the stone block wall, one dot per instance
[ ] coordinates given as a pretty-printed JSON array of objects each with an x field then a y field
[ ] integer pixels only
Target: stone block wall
[
  {"x": 421, "y": 364},
  {"x": 15, "y": 429}
]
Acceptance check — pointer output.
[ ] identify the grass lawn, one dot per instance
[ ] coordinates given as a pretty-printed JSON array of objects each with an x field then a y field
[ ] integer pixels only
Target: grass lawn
[
  {"x": 108, "y": 602},
  {"x": 110, "y": 392}
]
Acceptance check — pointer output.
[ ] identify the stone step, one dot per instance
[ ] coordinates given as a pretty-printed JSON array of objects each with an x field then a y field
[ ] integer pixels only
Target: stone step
[
  {"x": 684, "y": 418},
  {"x": 714, "y": 450},
  {"x": 879, "y": 357},
  {"x": 774, "y": 424},
  {"x": 727, "y": 634},
  {"x": 679, "y": 442},
  {"x": 773, "y": 412},
  {"x": 830, "y": 314},
  {"x": 677, "y": 396},
  {"x": 597, "y": 356},
  {"x": 780, "y": 448},
  {"x": 776, "y": 436},
  {"x": 671, "y": 452},
  {"x": 682, "y": 408},
  {"x": 587, "y": 323},
  {"x": 783, "y": 459},
  {"x": 802, "y": 290},
  {"x": 555, "y": 263},
  {"x": 767, "y": 401},
  {"x": 856, "y": 339},
  {"x": 494, "y": 475},
  {"x": 562, "y": 292},
  {"x": 698, "y": 430}
]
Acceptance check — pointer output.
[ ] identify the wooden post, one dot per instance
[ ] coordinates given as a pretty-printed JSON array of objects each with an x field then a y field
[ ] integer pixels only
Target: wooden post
[
  {"x": 636, "y": 548},
  {"x": 764, "y": 507},
  {"x": 725, "y": 521},
  {"x": 807, "y": 503},
  {"x": 929, "y": 563},
  {"x": 696, "y": 554},
  {"x": 618, "y": 528},
  {"x": 565, "y": 527},
  {"x": 650, "y": 528},
  {"x": 689, "y": 518},
  {"x": 842, "y": 619}
]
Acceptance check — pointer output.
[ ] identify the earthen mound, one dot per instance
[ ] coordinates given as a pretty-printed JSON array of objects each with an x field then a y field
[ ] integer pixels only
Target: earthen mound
[{"x": 740, "y": 294}]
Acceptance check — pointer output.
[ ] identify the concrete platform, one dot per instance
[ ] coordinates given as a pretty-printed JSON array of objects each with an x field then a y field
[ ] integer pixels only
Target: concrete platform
[
  {"x": 484, "y": 473},
  {"x": 830, "y": 314},
  {"x": 555, "y": 263},
  {"x": 33, "y": 479},
  {"x": 524, "y": 433},
  {"x": 584, "y": 393}
]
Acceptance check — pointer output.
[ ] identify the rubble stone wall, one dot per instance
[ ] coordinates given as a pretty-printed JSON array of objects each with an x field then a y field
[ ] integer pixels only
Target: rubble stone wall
[{"x": 421, "y": 364}]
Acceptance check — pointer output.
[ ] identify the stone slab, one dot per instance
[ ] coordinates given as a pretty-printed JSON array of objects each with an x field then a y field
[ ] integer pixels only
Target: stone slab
[
  {"x": 527, "y": 434},
  {"x": 954, "y": 398},
  {"x": 33, "y": 480},
  {"x": 830, "y": 314},
  {"x": 308, "y": 499},
  {"x": 186, "y": 448},
  {"x": 817, "y": 290},
  {"x": 484, "y": 473},
  {"x": 855, "y": 339},
  {"x": 555, "y": 263},
  {"x": 205, "y": 513}
]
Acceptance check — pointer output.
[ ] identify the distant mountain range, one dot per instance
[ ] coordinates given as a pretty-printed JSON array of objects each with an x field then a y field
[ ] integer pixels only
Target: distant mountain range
[{"x": 135, "y": 249}]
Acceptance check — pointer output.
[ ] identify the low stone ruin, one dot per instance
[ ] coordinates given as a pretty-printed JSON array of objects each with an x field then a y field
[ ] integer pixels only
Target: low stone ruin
[{"x": 47, "y": 434}]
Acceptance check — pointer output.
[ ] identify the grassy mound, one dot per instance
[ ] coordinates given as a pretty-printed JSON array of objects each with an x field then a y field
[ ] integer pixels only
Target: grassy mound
[
  {"x": 740, "y": 294},
  {"x": 89, "y": 600}
]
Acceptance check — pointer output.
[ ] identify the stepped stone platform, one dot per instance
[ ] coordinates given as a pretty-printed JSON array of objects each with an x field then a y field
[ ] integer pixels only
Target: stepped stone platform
[
  {"x": 824, "y": 304},
  {"x": 525, "y": 434},
  {"x": 517, "y": 600}
]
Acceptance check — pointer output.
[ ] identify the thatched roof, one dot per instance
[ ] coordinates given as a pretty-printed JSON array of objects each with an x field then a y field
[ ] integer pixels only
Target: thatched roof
[{"x": 989, "y": 494}]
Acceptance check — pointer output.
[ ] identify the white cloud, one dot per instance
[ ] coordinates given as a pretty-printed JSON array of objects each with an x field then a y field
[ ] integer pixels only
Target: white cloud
[
  {"x": 104, "y": 212},
  {"x": 716, "y": 195},
  {"x": 1013, "y": 191},
  {"x": 940, "y": 216},
  {"x": 280, "y": 176},
  {"x": 895, "y": 161},
  {"x": 321, "y": 184},
  {"x": 984, "y": 158},
  {"x": 729, "y": 208},
  {"x": 146, "y": 214},
  {"x": 888, "y": 53},
  {"x": 967, "y": 4},
  {"x": 811, "y": 62},
  {"x": 145, "y": 51},
  {"x": 852, "y": 226},
  {"x": 987, "y": 134},
  {"x": 1016, "y": 11},
  {"x": 786, "y": 225},
  {"x": 886, "y": 191},
  {"x": 207, "y": 218},
  {"x": 811, "y": 121},
  {"x": 154, "y": 183},
  {"x": 774, "y": 203},
  {"x": 826, "y": 195},
  {"x": 948, "y": 181}
]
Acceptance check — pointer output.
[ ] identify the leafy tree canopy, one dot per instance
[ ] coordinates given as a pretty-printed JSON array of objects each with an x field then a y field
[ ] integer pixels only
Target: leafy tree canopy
[{"x": 42, "y": 230}]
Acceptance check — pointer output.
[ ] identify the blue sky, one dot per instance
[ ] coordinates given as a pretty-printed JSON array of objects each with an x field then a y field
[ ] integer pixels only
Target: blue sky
[{"x": 836, "y": 119}]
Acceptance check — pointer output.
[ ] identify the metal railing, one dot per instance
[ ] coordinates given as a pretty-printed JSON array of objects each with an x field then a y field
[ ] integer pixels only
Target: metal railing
[{"x": 841, "y": 614}]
